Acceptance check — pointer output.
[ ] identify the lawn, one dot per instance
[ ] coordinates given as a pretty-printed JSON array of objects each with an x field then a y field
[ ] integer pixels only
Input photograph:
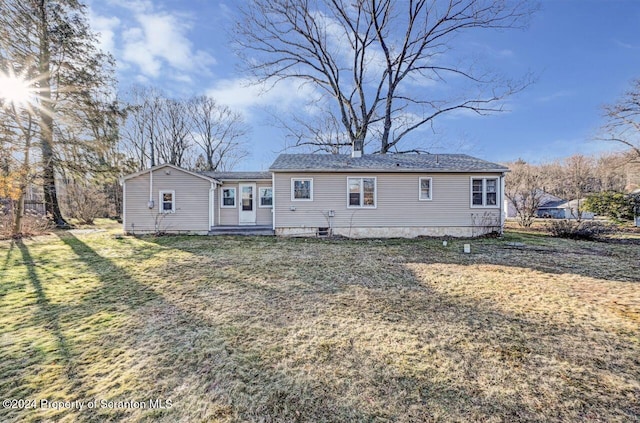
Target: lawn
[{"x": 231, "y": 329}]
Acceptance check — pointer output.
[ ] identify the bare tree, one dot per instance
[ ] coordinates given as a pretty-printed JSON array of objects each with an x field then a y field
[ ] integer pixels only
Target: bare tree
[
  {"x": 610, "y": 171},
  {"x": 524, "y": 190},
  {"x": 172, "y": 144},
  {"x": 141, "y": 128},
  {"x": 219, "y": 132},
  {"x": 578, "y": 181},
  {"x": 623, "y": 119},
  {"x": 374, "y": 58},
  {"x": 192, "y": 133},
  {"x": 321, "y": 134}
]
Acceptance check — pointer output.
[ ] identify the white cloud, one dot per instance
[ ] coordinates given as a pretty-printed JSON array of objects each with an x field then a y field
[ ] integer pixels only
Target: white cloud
[
  {"x": 136, "y": 6},
  {"x": 162, "y": 39},
  {"x": 149, "y": 40},
  {"x": 105, "y": 27},
  {"x": 136, "y": 52},
  {"x": 242, "y": 95}
]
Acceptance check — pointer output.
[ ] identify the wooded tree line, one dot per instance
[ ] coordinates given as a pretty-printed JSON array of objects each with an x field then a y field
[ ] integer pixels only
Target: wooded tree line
[{"x": 575, "y": 178}]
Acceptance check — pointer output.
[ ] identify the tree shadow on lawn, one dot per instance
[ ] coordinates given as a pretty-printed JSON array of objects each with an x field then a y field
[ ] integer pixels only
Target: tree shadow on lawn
[
  {"x": 47, "y": 312},
  {"x": 6, "y": 285},
  {"x": 5, "y": 265},
  {"x": 47, "y": 315},
  {"x": 178, "y": 351},
  {"x": 228, "y": 362}
]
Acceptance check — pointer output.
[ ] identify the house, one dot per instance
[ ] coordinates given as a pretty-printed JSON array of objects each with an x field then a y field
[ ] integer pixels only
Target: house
[
  {"x": 562, "y": 209},
  {"x": 400, "y": 195},
  {"x": 552, "y": 207},
  {"x": 542, "y": 211}
]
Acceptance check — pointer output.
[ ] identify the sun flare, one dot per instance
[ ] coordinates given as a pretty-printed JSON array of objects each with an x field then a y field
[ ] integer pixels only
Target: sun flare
[{"x": 14, "y": 90}]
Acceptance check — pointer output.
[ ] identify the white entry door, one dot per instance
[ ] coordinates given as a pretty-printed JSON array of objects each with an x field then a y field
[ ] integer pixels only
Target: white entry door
[{"x": 247, "y": 204}]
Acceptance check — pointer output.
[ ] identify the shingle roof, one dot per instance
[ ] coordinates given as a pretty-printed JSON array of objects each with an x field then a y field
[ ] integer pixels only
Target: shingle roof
[
  {"x": 383, "y": 163},
  {"x": 238, "y": 176}
]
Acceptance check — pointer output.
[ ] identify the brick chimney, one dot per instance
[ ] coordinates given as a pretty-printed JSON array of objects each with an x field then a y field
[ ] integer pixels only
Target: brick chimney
[{"x": 356, "y": 148}]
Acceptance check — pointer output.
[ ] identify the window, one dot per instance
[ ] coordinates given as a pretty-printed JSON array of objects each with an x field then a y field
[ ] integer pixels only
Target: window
[
  {"x": 361, "y": 192},
  {"x": 246, "y": 201},
  {"x": 425, "y": 189},
  {"x": 484, "y": 192},
  {"x": 167, "y": 202},
  {"x": 302, "y": 189},
  {"x": 229, "y": 197},
  {"x": 266, "y": 197}
]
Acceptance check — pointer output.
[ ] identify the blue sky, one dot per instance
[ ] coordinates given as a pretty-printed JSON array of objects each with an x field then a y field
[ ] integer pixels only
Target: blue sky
[{"x": 582, "y": 53}]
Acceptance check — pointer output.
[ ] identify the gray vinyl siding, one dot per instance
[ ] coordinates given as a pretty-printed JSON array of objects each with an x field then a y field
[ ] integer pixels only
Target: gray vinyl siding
[
  {"x": 226, "y": 216},
  {"x": 191, "y": 202},
  {"x": 264, "y": 214},
  {"x": 397, "y": 202}
]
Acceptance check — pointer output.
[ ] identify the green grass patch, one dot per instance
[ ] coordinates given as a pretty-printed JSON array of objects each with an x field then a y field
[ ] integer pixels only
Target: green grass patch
[{"x": 235, "y": 329}]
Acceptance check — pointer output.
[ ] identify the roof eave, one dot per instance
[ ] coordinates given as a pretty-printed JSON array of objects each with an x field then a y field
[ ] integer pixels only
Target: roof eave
[
  {"x": 243, "y": 179},
  {"x": 155, "y": 168},
  {"x": 388, "y": 170}
]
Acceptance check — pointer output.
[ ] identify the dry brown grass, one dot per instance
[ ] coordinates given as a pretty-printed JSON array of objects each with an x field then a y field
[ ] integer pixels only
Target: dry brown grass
[{"x": 525, "y": 328}]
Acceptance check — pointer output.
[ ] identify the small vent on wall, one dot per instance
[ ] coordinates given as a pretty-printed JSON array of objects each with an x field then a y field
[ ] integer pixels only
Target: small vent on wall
[{"x": 323, "y": 232}]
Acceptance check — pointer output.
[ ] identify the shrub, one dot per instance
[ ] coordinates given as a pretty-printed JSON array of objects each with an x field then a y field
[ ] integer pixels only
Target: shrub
[
  {"x": 84, "y": 202},
  {"x": 32, "y": 224},
  {"x": 615, "y": 205},
  {"x": 586, "y": 230}
]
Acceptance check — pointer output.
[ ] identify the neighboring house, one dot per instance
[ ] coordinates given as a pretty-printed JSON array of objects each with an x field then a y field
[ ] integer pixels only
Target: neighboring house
[
  {"x": 400, "y": 195},
  {"x": 545, "y": 198},
  {"x": 552, "y": 207},
  {"x": 637, "y": 209},
  {"x": 562, "y": 209}
]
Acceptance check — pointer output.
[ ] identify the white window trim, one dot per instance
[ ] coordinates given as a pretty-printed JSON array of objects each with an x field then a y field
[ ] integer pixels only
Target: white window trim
[
  {"x": 173, "y": 201},
  {"x": 260, "y": 190},
  {"x": 484, "y": 192},
  {"x": 420, "y": 188},
  {"x": 375, "y": 192},
  {"x": 235, "y": 198},
  {"x": 310, "y": 189}
]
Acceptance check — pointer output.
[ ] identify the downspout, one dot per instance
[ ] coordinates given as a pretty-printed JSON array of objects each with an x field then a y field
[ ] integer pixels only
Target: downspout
[
  {"x": 151, "y": 204},
  {"x": 212, "y": 210},
  {"x": 273, "y": 201},
  {"x": 124, "y": 206},
  {"x": 503, "y": 210}
]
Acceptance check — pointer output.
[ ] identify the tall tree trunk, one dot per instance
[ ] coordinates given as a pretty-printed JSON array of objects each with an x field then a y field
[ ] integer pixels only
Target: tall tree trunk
[
  {"x": 46, "y": 121},
  {"x": 24, "y": 181},
  {"x": 18, "y": 213}
]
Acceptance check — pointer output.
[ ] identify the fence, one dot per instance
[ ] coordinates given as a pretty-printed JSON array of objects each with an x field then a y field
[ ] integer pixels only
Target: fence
[{"x": 30, "y": 206}]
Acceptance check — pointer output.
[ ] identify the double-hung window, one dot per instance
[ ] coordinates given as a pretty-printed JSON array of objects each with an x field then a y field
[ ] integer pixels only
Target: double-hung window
[
  {"x": 484, "y": 192},
  {"x": 425, "y": 189},
  {"x": 302, "y": 189},
  {"x": 266, "y": 197},
  {"x": 167, "y": 201},
  {"x": 361, "y": 192},
  {"x": 228, "y": 197}
]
